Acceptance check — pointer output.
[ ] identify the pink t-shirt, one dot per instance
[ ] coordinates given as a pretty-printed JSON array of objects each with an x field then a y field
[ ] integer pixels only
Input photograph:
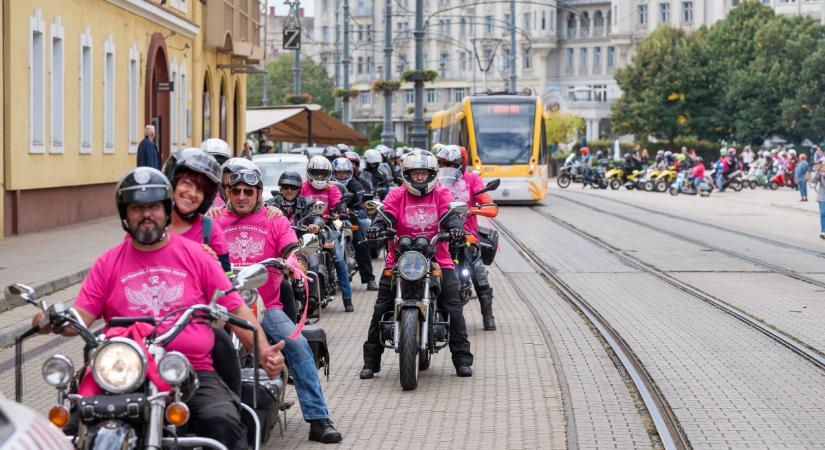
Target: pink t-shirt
[
  {"x": 253, "y": 238},
  {"x": 218, "y": 202},
  {"x": 127, "y": 282},
  {"x": 463, "y": 190},
  {"x": 418, "y": 216},
  {"x": 216, "y": 239},
  {"x": 331, "y": 195}
]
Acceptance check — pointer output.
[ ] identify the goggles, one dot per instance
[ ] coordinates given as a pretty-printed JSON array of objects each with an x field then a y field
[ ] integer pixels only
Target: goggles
[{"x": 245, "y": 176}]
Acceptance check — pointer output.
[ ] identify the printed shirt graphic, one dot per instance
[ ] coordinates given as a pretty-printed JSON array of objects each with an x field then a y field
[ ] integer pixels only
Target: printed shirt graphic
[
  {"x": 418, "y": 216},
  {"x": 126, "y": 282},
  {"x": 253, "y": 238},
  {"x": 331, "y": 196},
  {"x": 216, "y": 239}
]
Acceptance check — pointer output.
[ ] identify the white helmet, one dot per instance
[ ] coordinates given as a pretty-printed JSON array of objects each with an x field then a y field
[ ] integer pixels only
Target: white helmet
[
  {"x": 217, "y": 148},
  {"x": 319, "y": 171},
  {"x": 385, "y": 151},
  {"x": 792, "y": 152},
  {"x": 372, "y": 156},
  {"x": 419, "y": 159},
  {"x": 342, "y": 165}
]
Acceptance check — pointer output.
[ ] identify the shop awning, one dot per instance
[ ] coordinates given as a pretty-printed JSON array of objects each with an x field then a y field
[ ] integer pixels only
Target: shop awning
[{"x": 301, "y": 124}]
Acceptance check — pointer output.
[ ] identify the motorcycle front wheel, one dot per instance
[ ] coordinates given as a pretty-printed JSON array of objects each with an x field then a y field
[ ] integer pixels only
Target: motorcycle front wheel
[
  {"x": 408, "y": 351},
  {"x": 661, "y": 186},
  {"x": 648, "y": 186},
  {"x": 563, "y": 181},
  {"x": 736, "y": 185},
  {"x": 674, "y": 191},
  {"x": 615, "y": 184}
]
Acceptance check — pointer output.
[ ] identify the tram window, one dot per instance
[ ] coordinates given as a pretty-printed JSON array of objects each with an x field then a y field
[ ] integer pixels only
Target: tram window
[
  {"x": 543, "y": 144},
  {"x": 463, "y": 137},
  {"x": 504, "y": 133}
]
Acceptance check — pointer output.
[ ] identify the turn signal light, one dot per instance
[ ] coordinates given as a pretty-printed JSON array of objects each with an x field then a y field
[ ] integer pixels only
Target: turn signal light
[
  {"x": 354, "y": 227},
  {"x": 177, "y": 413},
  {"x": 437, "y": 272},
  {"x": 329, "y": 245},
  {"x": 388, "y": 273},
  {"x": 59, "y": 416}
]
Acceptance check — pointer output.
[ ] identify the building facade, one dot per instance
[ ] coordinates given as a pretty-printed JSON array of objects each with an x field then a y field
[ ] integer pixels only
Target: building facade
[
  {"x": 565, "y": 54},
  {"x": 95, "y": 75}
]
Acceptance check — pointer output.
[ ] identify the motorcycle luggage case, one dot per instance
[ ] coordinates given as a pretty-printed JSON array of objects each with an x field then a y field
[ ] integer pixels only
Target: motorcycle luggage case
[
  {"x": 269, "y": 396},
  {"x": 317, "y": 339},
  {"x": 488, "y": 242}
]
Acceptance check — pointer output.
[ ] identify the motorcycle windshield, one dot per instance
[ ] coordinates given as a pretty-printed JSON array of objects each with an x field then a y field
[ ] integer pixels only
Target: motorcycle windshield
[{"x": 448, "y": 176}]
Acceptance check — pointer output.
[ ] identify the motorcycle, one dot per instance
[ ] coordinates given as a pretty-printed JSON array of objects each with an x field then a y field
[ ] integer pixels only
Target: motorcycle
[
  {"x": 683, "y": 185},
  {"x": 344, "y": 229},
  {"x": 131, "y": 410},
  {"x": 614, "y": 178},
  {"x": 664, "y": 179},
  {"x": 415, "y": 329},
  {"x": 571, "y": 171},
  {"x": 778, "y": 180},
  {"x": 308, "y": 293}
]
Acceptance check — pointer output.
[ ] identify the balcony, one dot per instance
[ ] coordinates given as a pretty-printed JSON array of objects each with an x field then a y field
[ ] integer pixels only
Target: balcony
[
  {"x": 234, "y": 26},
  {"x": 361, "y": 10}
]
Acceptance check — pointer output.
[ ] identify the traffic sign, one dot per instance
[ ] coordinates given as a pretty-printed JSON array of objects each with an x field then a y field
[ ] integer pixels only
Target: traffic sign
[{"x": 292, "y": 38}]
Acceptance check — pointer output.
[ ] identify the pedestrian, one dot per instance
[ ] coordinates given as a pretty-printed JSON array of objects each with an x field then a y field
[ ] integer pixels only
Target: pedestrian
[
  {"x": 747, "y": 158},
  {"x": 820, "y": 194},
  {"x": 147, "y": 154},
  {"x": 818, "y": 154},
  {"x": 248, "y": 150},
  {"x": 800, "y": 172},
  {"x": 645, "y": 156}
]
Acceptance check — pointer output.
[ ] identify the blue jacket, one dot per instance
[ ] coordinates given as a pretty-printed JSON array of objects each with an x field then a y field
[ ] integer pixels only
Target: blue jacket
[{"x": 147, "y": 154}]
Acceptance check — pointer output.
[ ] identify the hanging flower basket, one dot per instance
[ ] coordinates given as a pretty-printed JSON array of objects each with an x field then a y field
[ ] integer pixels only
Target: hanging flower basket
[
  {"x": 297, "y": 99},
  {"x": 345, "y": 93},
  {"x": 422, "y": 75},
  {"x": 386, "y": 85}
]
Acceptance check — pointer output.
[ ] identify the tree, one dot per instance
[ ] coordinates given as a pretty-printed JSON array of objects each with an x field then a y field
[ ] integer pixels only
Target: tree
[
  {"x": 562, "y": 128},
  {"x": 314, "y": 81}
]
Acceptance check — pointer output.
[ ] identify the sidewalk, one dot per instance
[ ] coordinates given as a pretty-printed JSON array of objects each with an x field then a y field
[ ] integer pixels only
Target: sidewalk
[{"x": 50, "y": 261}]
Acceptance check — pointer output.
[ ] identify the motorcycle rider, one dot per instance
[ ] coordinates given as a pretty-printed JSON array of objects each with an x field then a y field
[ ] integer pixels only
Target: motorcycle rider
[
  {"x": 377, "y": 173},
  {"x": 414, "y": 209},
  {"x": 331, "y": 153},
  {"x": 253, "y": 237},
  {"x": 722, "y": 165},
  {"x": 453, "y": 159},
  {"x": 220, "y": 150},
  {"x": 587, "y": 164},
  {"x": 319, "y": 188},
  {"x": 127, "y": 279},
  {"x": 697, "y": 173},
  {"x": 343, "y": 172}
]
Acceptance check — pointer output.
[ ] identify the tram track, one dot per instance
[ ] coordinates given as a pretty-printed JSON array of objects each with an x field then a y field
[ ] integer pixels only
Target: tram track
[
  {"x": 670, "y": 432},
  {"x": 734, "y": 254},
  {"x": 806, "y": 351}
]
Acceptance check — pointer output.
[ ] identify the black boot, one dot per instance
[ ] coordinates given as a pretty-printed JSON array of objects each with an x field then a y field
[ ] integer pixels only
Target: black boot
[
  {"x": 322, "y": 430},
  {"x": 486, "y": 301},
  {"x": 348, "y": 305}
]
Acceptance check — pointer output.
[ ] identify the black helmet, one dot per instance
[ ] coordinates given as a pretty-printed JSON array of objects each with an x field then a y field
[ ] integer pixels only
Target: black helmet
[
  {"x": 199, "y": 162},
  {"x": 599, "y": 154},
  {"x": 143, "y": 185},
  {"x": 291, "y": 178}
]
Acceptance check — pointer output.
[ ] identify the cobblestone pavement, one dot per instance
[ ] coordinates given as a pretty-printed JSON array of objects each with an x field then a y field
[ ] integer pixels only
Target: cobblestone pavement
[{"x": 728, "y": 385}]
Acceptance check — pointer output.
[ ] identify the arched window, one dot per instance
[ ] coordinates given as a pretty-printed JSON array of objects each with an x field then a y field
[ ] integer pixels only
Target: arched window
[
  {"x": 222, "y": 110},
  {"x": 207, "y": 109},
  {"x": 571, "y": 25},
  {"x": 585, "y": 25},
  {"x": 598, "y": 24}
]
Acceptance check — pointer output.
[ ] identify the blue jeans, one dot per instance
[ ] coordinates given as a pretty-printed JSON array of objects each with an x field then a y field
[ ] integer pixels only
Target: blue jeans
[
  {"x": 821, "y": 217},
  {"x": 803, "y": 186},
  {"x": 300, "y": 362},
  {"x": 720, "y": 182},
  {"x": 341, "y": 269}
]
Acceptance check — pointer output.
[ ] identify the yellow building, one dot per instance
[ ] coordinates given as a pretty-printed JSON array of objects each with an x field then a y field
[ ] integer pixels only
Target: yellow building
[{"x": 81, "y": 79}]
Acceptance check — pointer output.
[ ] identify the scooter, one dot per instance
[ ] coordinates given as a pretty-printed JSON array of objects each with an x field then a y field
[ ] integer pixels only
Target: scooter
[{"x": 683, "y": 185}]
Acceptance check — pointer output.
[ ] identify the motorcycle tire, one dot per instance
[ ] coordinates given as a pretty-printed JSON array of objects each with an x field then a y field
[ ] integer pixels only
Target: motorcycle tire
[
  {"x": 424, "y": 360},
  {"x": 615, "y": 184},
  {"x": 660, "y": 186},
  {"x": 408, "y": 351},
  {"x": 674, "y": 191},
  {"x": 774, "y": 185},
  {"x": 563, "y": 181},
  {"x": 736, "y": 185},
  {"x": 602, "y": 184},
  {"x": 648, "y": 186}
]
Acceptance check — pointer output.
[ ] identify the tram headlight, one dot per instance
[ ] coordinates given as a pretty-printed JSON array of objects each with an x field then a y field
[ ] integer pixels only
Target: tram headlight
[
  {"x": 119, "y": 366},
  {"x": 412, "y": 266},
  {"x": 58, "y": 370}
]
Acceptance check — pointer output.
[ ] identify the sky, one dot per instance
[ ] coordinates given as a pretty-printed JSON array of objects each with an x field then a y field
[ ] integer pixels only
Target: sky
[{"x": 282, "y": 9}]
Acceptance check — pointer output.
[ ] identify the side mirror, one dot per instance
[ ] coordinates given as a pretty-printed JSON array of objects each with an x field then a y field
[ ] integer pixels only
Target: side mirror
[
  {"x": 275, "y": 192},
  {"x": 372, "y": 205},
  {"x": 318, "y": 208},
  {"x": 251, "y": 277},
  {"x": 460, "y": 208},
  {"x": 22, "y": 293},
  {"x": 491, "y": 186}
]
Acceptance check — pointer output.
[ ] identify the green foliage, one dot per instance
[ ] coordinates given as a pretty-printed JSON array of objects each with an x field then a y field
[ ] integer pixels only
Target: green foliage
[
  {"x": 314, "y": 81},
  {"x": 297, "y": 99},
  {"x": 342, "y": 93},
  {"x": 382, "y": 86},
  {"x": 748, "y": 77},
  {"x": 423, "y": 74},
  {"x": 562, "y": 128}
]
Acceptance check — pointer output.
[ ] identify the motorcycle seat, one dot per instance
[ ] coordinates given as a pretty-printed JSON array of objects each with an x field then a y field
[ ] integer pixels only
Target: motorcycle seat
[{"x": 127, "y": 321}]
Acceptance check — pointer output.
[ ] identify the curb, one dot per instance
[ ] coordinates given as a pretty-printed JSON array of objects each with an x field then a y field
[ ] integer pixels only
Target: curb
[{"x": 794, "y": 208}]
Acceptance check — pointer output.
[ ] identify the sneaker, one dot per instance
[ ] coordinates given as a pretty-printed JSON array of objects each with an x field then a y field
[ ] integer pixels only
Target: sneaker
[
  {"x": 372, "y": 285},
  {"x": 322, "y": 430}
]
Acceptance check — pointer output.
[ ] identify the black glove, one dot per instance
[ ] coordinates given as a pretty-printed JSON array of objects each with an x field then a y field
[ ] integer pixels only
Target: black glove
[
  {"x": 457, "y": 234},
  {"x": 374, "y": 233}
]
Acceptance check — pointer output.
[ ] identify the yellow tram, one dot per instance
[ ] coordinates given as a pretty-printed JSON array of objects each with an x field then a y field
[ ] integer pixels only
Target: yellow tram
[{"x": 505, "y": 137}]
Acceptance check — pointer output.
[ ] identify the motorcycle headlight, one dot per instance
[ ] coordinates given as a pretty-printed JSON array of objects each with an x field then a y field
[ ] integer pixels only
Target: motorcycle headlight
[
  {"x": 58, "y": 370},
  {"x": 174, "y": 368},
  {"x": 412, "y": 266},
  {"x": 119, "y": 366},
  {"x": 249, "y": 296}
]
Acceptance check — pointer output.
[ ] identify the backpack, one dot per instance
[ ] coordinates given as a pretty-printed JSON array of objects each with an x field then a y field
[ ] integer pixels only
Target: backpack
[{"x": 207, "y": 229}]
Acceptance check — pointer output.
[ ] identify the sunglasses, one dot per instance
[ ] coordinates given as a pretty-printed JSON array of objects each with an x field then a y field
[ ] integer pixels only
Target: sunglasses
[
  {"x": 245, "y": 176},
  {"x": 289, "y": 188},
  {"x": 249, "y": 192}
]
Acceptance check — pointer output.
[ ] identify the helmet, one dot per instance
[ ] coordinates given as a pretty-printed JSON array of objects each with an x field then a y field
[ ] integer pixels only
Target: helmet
[
  {"x": 384, "y": 151},
  {"x": 436, "y": 147},
  {"x": 668, "y": 153},
  {"x": 144, "y": 185},
  {"x": 792, "y": 152},
  {"x": 450, "y": 155},
  {"x": 354, "y": 158},
  {"x": 626, "y": 156},
  {"x": 681, "y": 157},
  {"x": 660, "y": 152},
  {"x": 331, "y": 152},
  {"x": 372, "y": 156},
  {"x": 319, "y": 171},
  {"x": 699, "y": 159},
  {"x": 343, "y": 148},
  {"x": 723, "y": 152},
  {"x": 241, "y": 170},
  {"x": 732, "y": 150},
  {"x": 399, "y": 152},
  {"x": 291, "y": 178},
  {"x": 199, "y": 162},
  {"x": 585, "y": 151},
  {"x": 600, "y": 154},
  {"x": 342, "y": 165},
  {"x": 217, "y": 148},
  {"x": 419, "y": 159}
]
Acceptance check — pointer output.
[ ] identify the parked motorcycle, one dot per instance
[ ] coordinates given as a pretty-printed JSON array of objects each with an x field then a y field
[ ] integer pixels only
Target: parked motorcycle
[
  {"x": 132, "y": 411},
  {"x": 309, "y": 293},
  {"x": 415, "y": 329},
  {"x": 570, "y": 172},
  {"x": 614, "y": 178},
  {"x": 683, "y": 185}
]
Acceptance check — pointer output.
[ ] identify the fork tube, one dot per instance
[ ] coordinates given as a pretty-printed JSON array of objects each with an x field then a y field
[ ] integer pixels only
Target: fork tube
[
  {"x": 154, "y": 427},
  {"x": 425, "y": 324},
  {"x": 396, "y": 330}
]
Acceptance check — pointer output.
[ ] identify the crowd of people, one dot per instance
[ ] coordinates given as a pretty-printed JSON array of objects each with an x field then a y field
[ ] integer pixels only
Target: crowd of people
[{"x": 202, "y": 215}]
